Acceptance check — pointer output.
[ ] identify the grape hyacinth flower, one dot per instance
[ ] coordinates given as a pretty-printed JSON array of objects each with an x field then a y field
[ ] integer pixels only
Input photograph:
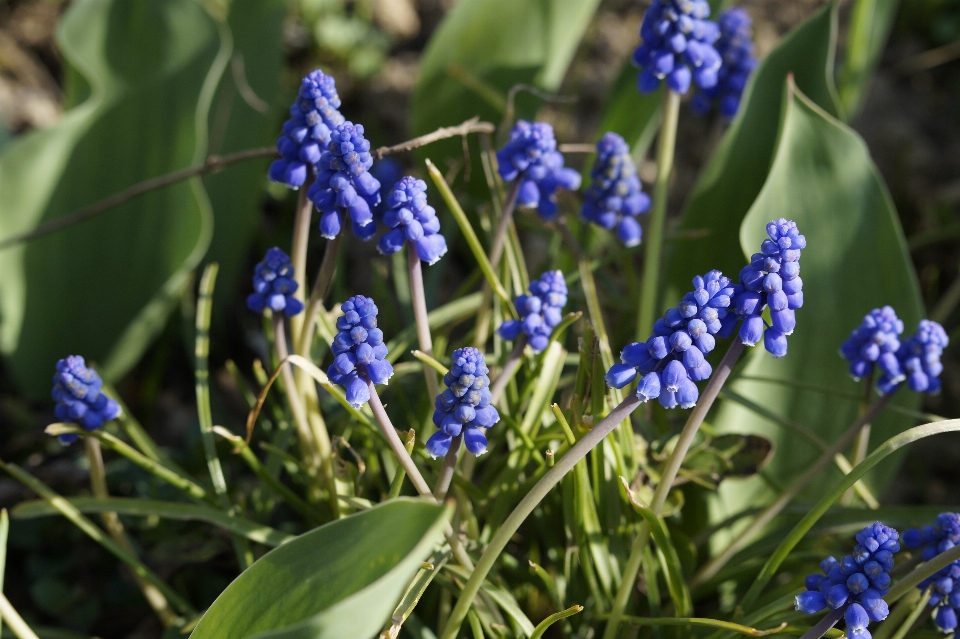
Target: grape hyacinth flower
[
  {"x": 80, "y": 400},
  {"x": 615, "y": 198},
  {"x": 541, "y": 311},
  {"x": 876, "y": 342},
  {"x": 411, "y": 219},
  {"x": 464, "y": 407},
  {"x": 344, "y": 184},
  {"x": 674, "y": 357},
  {"x": 772, "y": 279},
  {"x": 677, "y": 46},
  {"x": 919, "y": 357},
  {"x": 943, "y": 535},
  {"x": 735, "y": 47},
  {"x": 531, "y": 156},
  {"x": 857, "y": 583},
  {"x": 306, "y": 134},
  {"x": 274, "y": 286},
  {"x": 359, "y": 351}
]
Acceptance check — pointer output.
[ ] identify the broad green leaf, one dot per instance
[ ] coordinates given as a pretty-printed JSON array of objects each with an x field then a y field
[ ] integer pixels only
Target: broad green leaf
[
  {"x": 483, "y": 48},
  {"x": 737, "y": 170},
  {"x": 243, "y": 116},
  {"x": 856, "y": 259},
  {"x": 870, "y": 24},
  {"x": 339, "y": 580},
  {"x": 104, "y": 288}
]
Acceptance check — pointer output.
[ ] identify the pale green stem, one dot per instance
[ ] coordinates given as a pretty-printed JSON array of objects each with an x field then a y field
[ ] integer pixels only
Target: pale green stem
[
  {"x": 918, "y": 609},
  {"x": 419, "y": 299},
  {"x": 14, "y": 620},
  {"x": 653, "y": 240},
  {"x": 862, "y": 444},
  {"x": 530, "y": 501},
  {"x": 447, "y": 469},
  {"x": 320, "y": 285},
  {"x": 98, "y": 485},
  {"x": 500, "y": 235},
  {"x": 828, "y": 622},
  {"x": 509, "y": 370},
  {"x": 670, "y": 470},
  {"x": 298, "y": 251}
]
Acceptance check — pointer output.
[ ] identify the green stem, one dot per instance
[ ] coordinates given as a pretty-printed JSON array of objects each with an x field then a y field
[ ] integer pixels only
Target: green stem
[
  {"x": 704, "y": 623},
  {"x": 419, "y": 298},
  {"x": 670, "y": 469},
  {"x": 785, "y": 497},
  {"x": 513, "y": 522},
  {"x": 862, "y": 443},
  {"x": 298, "y": 252},
  {"x": 509, "y": 370},
  {"x": 447, "y": 469},
  {"x": 17, "y": 625},
  {"x": 320, "y": 285},
  {"x": 204, "y": 414},
  {"x": 500, "y": 235},
  {"x": 918, "y": 609},
  {"x": 397, "y": 484},
  {"x": 921, "y": 572},
  {"x": 654, "y": 236}
]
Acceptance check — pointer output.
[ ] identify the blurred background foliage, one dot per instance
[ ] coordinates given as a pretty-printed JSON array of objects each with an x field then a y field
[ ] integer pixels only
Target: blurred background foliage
[{"x": 96, "y": 95}]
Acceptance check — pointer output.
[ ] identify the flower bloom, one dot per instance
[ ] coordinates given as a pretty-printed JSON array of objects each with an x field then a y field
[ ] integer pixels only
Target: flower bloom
[
  {"x": 540, "y": 311},
  {"x": 344, "y": 184},
  {"x": 531, "y": 156},
  {"x": 359, "y": 351},
  {"x": 673, "y": 358},
  {"x": 274, "y": 286},
  {"x": 772, "y": 279},
  {"x": 615, "y": 198},
  {"x": 735, "y": 47},
  {"x": 857, "y": 583},
  {"x": 306, "y": 134},
  {"x": 464, "y": 406},
  {"x": 76, "y": 389},
  {"x": 943, "y": 535},
  {"x": 876, "y": 342},
  {"x": 677, "y": 46},
  {"x": 411, "y": 219}
]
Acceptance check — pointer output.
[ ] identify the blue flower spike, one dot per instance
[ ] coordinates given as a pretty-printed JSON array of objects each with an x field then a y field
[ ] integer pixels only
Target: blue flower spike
[
  {"x": 540, "y": 311},
  {"x": 464, "y": 406},
  {"x": 943, "y": 535},
  {"x": 920, "y": 357},
  {"x": 274, "y": 286},
  {"x": 772, "y": 279},
  {"x": 412, "y": 220},
  {"x": 344, "y": 185},
  {"x": 359, "y": 351},
  {"x": 875, "y": 344},
  {"x": 735, "y": 47},
  {"x": 306, "y": 134},
  {"x": 670, "y": 362},
  {"x": 857, "y": 583},
  {"x": 615, "y": 199},
  {"x": 677, "y": 46},
  {"x": 531, "y": 156},
  {"x": 80, "y": 400}
]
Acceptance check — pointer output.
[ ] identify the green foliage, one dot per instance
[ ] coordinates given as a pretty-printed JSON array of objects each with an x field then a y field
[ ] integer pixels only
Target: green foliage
[{"x": 340, "y": 580}]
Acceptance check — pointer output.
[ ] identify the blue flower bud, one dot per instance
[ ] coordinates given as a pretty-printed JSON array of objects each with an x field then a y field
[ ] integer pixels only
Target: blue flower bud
[
  {"x": 531, "y": 156},
  {"x": 410, "y": 218},
  {"x": 810, "y": 602},
  {"x": 359, "y": 351},
  {"x": 274, "y": 286},
  {"x": 615, "y": 199},
  {"x": 77, "y": 392},
  {"x": 837, "y": 595},
  {"x": 465, "y": 405},
  {"x": 946, "y": 619},
  {"x": 857, "y": 583},
  {"x": 649, "y": 387}
]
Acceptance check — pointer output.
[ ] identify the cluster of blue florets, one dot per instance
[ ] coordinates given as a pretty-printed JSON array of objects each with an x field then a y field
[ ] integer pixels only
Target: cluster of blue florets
[
  {"x": 920, "y": 357},
  {"x": 531, "y": 156},
  {"x": 615, "y": 199},
  {"x": 772, "y": 279},
  {"x": 735, "y": 47},
  {"x": 857, "y": 582},
  {"x": 943, "y": 535},
  {"x": 412, "y": 220},
  {"x": 540, "y": 311},
  {"x": 673, "y": 358},
  {"x": 306, "y": 134},
  {"x": 359, "y": 351},
  {"x": 464, "y": 407},
  {"x": 345, "y": 185},
  {"x": 677, "y": 46},
  {"x": 875, "y": 343},
  {"x": 76, "y": 389},
  {"x": 274, "y": 286}
]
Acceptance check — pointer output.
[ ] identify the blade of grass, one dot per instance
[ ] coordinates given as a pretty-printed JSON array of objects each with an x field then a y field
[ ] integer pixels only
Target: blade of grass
[
  {"x": 554, "y": 618},
  {"x": 700, "y": 622},
  {"x": 17, "y": 625},
  {"x": 4, "y": 533},
  {"x": 253, "y": 531},
  {"x": 68, "y": 510},
  {"x": 793, "y": 538}
]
